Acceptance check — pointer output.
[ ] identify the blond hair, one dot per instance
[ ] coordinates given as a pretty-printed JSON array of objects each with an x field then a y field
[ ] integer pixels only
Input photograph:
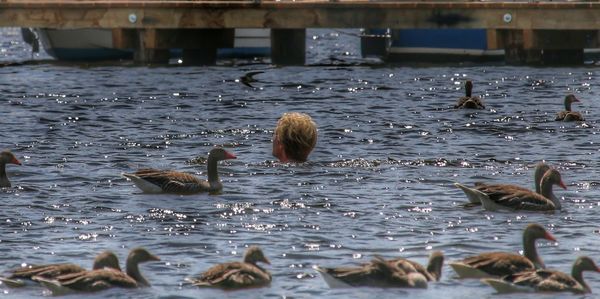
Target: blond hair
[{"x": 297, "y": 132}]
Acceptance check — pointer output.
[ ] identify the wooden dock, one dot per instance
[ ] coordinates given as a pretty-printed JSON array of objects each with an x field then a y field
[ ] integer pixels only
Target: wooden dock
[{"x": 153, "y": 25}]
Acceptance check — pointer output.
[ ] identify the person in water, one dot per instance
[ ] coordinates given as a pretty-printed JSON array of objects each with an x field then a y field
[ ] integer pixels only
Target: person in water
[{"x": 295, "y": 137}]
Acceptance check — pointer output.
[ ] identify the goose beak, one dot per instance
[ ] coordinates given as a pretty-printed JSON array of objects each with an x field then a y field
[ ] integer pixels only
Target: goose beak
[
  {"x": 562, "y": 185},
  {"x": 154, "y": 258},
  {"x": 550, "y": 237},
  {"x": 229, "y": 155},
  {"x": 15, "y": 161},
  {"x": 266, "y": 261}
]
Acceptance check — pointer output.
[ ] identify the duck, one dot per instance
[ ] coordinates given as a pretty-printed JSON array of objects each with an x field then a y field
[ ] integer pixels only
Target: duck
[
  {"x": 498, "y": 264},
  {"x": 6, "y": 157},
  {"x": 106, "y": 259},
  {"x": 507, "y": 198},
  {"x": 540, "y": 169},
  {"x": 567, "y": 114},
  {"x": 544, "y": 280},
  {"x": 236, "y": 275},
  {"x": 157, "y": 181},
  {"x": 469, "y": 101},
  {"x": 101, "y": 279},
  {"x": 395, "y": 273}
]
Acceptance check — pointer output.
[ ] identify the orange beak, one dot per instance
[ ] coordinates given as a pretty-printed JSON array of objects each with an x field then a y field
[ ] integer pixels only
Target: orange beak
[
  {"x": 550, "y": 237},
  {"x": 15, "y": 161},
  {"x": 562, "y": 185},
  {"x": 229, "y": 155}
]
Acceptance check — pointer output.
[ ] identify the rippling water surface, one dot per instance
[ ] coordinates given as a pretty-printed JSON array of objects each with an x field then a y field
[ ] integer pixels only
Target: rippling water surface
[{"x": 379, "y": 182}]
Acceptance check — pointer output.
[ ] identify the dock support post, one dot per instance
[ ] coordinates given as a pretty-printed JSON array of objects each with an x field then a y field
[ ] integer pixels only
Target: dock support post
[
  {"x": 146, "y": 48},
  {"x": 288, "y": 46},
  {"x": 200, "y": 45}
]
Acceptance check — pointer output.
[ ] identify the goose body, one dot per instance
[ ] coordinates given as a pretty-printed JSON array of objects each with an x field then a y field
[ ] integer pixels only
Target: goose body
[
  {"x": 498, "y": 264},
  {"x": 543, "y": 280},
  {"x": 6, "y": 157},
  {"x": 400, "y": 273},
  {"x": 508, "y": 197},
  {"x": 106, "y": 259},
  {"x": 167, "y": 181},
  {"x": 568, "y": 114},
  {"x": 540, "y": 169},
  {"x": 236, "y": 275},
  {"x": 469, "y": 101},
  {"x": 101, "y": 279}
]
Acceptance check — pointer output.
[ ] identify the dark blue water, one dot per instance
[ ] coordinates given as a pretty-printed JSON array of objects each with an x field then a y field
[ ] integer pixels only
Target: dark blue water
[{"x": 379, "y": 182}]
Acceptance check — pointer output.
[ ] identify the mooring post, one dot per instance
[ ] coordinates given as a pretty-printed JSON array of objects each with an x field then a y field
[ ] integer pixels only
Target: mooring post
[
  {"x": 288, "y": 46},
  {"x": 200, "y": 45},
  {"x": 146, "y": 50}
]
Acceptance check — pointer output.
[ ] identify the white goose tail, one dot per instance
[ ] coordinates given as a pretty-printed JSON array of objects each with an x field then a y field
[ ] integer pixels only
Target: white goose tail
[
  {"x": 503, "y": 287},
  {"x": 331, "y": 281},
  {"x": 473, "y": 195},
  {"x": 144, "y": 185},
  {"x": 465, "y": 271}
]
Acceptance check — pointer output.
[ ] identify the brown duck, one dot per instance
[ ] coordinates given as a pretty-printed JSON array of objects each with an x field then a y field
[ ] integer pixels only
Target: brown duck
[
  {"x": 498, "y": 264},
  {"x": 236, "y": 275},
  {"x": 508, "y": 198},
  {"x": 469, "y": 101},
  {"x": 105, "y": 259},
  {"x": 101, "y": 279},
  {"x": 6, "y": 157},
  {"x": 167, "y": 181},
  {"x": 567, "y": 114},
  {"x": 543, "y": 280},
  {"x": 401, "y": 273}
]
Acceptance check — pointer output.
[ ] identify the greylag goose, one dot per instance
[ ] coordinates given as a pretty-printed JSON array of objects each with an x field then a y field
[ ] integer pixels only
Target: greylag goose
[
  {"x": 505, "y": 198},
  {"x": 400, "y": 272},
  {"x": 469, "y": 101},
  {"x": 103, "y": 260},
  {"x": 498, "y": 264},
  {"x": 167, "y": 181},
  {"x": 236, "y": 275},
  {"x": 547, "y": 280},
  {"x": 540, "y": 169},
  {"x": 6, "y": 157},
  {"x": 101, "y": 279},
  {"x": 567, "y": 114}
]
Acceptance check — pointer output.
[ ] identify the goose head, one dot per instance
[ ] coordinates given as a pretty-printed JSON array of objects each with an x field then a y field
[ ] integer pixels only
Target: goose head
[
  {"x": 436, "y": 261},
  {"x": 106, "y": 259},
  {"x": 531, "y": 233},
  {"x": 254, "y": 254},
  {"x": 218, "y": 154},
  {"x": 569, "y": 99},
  {"x": 6, "y": 157},
  {"x": 552, "y": 177}
]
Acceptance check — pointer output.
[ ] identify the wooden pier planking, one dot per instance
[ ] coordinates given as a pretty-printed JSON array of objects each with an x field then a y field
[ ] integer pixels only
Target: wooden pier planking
[
  {"x": 524, "y": 29},
  {"x": 299, "y": 14}
]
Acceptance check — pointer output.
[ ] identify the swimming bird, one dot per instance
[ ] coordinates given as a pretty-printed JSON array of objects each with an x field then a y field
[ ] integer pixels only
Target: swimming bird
[
  {"x": 395, "y": 273},
  {"x": 249, "y": 78},
  {"x": 567, "y": 114},
  {"x": 167, "y": 181},
  {"x": 547, "y": 280},
  {"x": 498, "y": 264},
  {"x": 6, "y": 157},
  {"x": 469, "y": 101},
  {"x": 520, "y": 199},
  {"x": 106, "y": 259},
  {"x": 101, "y": 279},
  {"x": 236, "y": 275},
  {"x": 540, "y": 169}
]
